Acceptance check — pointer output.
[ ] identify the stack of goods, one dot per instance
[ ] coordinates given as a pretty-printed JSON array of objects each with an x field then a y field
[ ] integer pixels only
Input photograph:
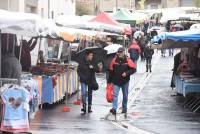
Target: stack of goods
[
  {"x": 15, "y": 110},
  {"x": 48, "y": 69}
]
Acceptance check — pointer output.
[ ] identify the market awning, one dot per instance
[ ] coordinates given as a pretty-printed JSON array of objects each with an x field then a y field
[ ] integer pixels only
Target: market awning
[
  {"x": 106, "y": 19},
  {"x": 78, "y": 22},
  {"x": 123, "y": 17},
  {"x": 67, "y": 37},
  {"x": 78, "y": 33},
  {"x": 20, "y": 23},
  {"x": 181, "y": 39}
]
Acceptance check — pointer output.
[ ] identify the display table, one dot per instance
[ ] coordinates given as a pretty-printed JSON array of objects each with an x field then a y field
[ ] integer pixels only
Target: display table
[{"x": 187, "y": 83}]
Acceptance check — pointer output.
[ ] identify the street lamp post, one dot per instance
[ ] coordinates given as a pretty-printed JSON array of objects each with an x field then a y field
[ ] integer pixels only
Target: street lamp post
[
  {"x": 8, "y": 5},
  {"x": 94, "y": 7},
  {"x": 116, "y": 4},
  {"x": 48, "y": 8}
]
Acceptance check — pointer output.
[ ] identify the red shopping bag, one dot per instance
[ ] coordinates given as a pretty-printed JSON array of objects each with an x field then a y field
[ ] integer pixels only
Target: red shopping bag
[{"x": 109, "y": 92}]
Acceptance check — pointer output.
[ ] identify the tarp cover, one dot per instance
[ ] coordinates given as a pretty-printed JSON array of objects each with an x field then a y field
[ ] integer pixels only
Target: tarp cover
[{"x": 20, "y": 23}]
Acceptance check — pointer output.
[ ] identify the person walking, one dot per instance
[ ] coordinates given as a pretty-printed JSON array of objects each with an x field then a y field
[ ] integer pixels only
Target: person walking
[
  {"x": 142, "y": 42},
  {"x": 134, "y": 51},
  {"x": 120, "y": 70},
  {"x": 86, "y": 72},
  {"x": 148, "y": 53}
]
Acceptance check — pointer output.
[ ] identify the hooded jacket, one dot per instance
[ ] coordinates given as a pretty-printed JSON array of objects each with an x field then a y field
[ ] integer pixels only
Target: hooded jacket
[
  {"x": 134, "y": 51},
  {"x": 117, "y": 67}
]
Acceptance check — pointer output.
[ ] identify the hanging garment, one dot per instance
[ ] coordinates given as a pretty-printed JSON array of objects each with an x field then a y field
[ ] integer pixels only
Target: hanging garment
[{"x": 15, "y": 109}]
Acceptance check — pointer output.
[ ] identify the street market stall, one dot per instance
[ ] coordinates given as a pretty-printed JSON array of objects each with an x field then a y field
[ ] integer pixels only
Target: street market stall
[
  {"x": 23, "y": 95},
  {"x": 48, "y": 83},
  {"x": 187, "y": 80}
]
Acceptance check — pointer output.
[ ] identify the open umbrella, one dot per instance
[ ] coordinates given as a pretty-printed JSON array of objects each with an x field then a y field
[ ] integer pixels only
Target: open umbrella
[
  {"x": 99, "y": 54},
  {"x": 138, "y": 33},
  {"x": 112, "y": 48}
]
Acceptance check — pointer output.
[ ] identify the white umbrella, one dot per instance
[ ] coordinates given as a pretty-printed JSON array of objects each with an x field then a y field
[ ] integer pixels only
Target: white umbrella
[
  {"x": 112, "y": 48},
  {"x": 137, "y": 33}
]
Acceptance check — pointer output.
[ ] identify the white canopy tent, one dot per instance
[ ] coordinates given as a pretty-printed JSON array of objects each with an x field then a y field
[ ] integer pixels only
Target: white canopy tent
[
  {"x": 20, "y": 23},
  {"x": 82, "y": 23}
]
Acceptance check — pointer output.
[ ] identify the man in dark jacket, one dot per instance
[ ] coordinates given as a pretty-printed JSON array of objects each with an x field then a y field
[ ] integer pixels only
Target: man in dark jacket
[
  {"x": 121, "y": 68},
  {"x": 148, "y": 53},
  {"x": 86, "y": 72}
]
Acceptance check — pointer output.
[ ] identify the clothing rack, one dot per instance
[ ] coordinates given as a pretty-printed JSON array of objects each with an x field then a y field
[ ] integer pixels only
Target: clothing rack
[{"x": 8, "y": 81}]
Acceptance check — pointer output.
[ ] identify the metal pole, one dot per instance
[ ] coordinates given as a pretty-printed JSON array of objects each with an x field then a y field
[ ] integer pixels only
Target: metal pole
[
  {"x": 94, "y": 7},
  {"x": 14, "y": 43},
  {"x": 8, "y": 5},
  {"x": 0, "y": 53},
  {"x": 116, "y": 5},
  {"x": 39, "y": 48},
  {"x": 20, "y": 52},
  {"x": 48, "y": 8}
]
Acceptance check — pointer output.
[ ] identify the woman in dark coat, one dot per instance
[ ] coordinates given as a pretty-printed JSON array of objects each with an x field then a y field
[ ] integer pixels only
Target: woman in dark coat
[{"x": 86, "y": 72}]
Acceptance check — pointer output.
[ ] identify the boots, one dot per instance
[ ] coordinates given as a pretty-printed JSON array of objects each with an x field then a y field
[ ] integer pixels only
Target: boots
[
  {"x": 150, "y": 68},
  {"x": 84, "y": 109},
  {"x": 89, "y": 109},
  {"x": 113, "y": 111},
  {"x": 147, "y": 68}
]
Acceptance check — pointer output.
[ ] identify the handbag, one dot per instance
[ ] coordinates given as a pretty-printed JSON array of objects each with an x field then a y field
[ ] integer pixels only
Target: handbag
[
  {"x": 109, "y": 92},
  {"x": 94, "y": 85}
]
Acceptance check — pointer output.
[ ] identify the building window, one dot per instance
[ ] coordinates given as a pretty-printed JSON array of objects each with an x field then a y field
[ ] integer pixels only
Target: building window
[{"x": 154, "y": 6}]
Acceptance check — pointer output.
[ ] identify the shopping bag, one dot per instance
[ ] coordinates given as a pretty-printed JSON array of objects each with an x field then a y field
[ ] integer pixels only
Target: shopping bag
[{"x": 109, "y": 92}]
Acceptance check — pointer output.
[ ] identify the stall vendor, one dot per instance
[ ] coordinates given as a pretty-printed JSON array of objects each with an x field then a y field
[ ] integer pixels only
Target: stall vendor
[
  {"x": 11, "y": 67},
  {"x": 27, "y": 47}
]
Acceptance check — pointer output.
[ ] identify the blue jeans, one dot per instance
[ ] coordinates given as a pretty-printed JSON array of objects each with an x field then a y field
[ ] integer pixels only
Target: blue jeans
[
  {"x": 86, "y": 94},
  {"x": 125, "y": 96}
]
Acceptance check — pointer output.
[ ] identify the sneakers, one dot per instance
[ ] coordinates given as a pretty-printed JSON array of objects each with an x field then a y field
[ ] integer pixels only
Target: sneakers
[{"x": 113, "y": 111}]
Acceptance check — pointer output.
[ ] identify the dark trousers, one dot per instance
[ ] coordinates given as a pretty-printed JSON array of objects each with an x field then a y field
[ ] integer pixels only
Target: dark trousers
[
  {"x": 148, "y": 61},
  {"x": 148, "y": 64}
]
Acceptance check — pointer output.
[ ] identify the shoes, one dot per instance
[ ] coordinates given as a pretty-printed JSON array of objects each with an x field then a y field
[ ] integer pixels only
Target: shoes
[
  {"x": 113, "y": 111},
  {"x": 124, "y": 111},
  {"x": 89, "y": 109},
  {"x": 84, "y": 109}
]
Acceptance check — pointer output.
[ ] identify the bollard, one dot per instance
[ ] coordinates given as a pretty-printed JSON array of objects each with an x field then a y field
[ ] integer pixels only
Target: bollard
[
  {"x": 66, "y": 108},
  {"x": 78, "y": 101}
]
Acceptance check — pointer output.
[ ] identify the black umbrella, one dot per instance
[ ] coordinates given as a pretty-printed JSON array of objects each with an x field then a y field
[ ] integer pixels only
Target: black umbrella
[{"x": 99, "y": 54}]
